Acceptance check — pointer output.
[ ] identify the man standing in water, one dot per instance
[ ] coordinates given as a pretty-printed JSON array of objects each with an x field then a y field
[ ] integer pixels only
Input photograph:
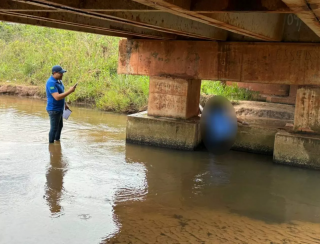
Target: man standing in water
[{"x": 55, "y": 102}]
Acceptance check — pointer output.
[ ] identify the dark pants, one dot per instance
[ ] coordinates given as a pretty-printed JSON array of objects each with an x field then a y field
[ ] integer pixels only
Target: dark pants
[{"x": 56, "y": 124}]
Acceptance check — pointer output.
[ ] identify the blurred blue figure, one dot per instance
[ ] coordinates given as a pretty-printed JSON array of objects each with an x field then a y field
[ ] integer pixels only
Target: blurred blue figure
[
  {"x": 221, "y": 126},
  {"x": 218, "y": 125}
]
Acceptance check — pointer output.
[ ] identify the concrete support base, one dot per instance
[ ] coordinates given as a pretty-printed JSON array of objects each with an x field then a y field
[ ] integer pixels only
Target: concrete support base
[
  {"x": 258, "y": 136},
  {"x": 264, "y": 121},
  {"x": 163, "y": 132},
  {"x": 297, "y": 149},
  {"x": 255, "y": 139},
  {"x": 185, "y": 134}
]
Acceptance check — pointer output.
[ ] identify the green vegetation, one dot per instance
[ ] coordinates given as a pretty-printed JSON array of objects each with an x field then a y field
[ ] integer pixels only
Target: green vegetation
[
  {"x": 27, "y": 54},
  {"x": 231, "y": 92}
]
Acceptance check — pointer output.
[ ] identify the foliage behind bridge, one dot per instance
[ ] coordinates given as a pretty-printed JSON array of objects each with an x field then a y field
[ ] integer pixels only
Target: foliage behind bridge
[{"x": 27, "y": 54}]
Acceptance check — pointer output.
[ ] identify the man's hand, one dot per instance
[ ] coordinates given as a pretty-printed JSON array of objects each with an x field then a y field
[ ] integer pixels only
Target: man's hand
[
  {"x": 72, "y": 89},
  {"x": 66, "y": 106},
  {"x": 60, "y": 96}
]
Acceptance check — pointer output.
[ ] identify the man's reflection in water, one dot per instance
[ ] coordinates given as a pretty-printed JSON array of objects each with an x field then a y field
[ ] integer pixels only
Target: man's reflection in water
[{"x": 55, "y": 173}]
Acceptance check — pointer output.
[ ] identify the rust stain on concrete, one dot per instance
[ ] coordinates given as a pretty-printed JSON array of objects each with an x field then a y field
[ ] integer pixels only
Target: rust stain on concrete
[
  {"x": 269, "y": 63},
  {"x": 307, "y": 115},
  {"x": 173, "y": 97}
]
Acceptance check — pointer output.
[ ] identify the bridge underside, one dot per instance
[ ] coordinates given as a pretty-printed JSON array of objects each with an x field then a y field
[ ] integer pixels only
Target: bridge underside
[{"x": 271, "y": 45}]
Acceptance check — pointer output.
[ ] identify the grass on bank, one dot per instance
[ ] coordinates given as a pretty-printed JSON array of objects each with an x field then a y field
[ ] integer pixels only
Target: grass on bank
[
  {"x": 27, "y": 54},
  {"x": 231, "y": 92}
]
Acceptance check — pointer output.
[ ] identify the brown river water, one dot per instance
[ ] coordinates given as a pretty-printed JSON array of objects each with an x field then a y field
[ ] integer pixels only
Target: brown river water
[{"x": 93, "y": 188}]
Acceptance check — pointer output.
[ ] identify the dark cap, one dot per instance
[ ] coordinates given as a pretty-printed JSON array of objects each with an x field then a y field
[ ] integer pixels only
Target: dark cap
[{"x": 58, "y": 69}]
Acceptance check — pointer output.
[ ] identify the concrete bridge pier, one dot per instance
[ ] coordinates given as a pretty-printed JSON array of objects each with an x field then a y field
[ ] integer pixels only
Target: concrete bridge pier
[
  {"x": 176, "y": 69},
  {"x": 172, "y": 118},
  {"x": 301, "y": 146}
]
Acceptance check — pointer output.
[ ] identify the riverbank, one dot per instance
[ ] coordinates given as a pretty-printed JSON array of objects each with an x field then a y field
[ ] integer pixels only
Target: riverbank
[
  {"x": 21, "y": 90},
  {"x": 113, "y": 102},
  {"x": 37, "y": 92}
]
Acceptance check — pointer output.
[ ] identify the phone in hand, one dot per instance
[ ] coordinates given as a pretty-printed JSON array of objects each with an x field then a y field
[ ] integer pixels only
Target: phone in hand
[{"x": 75, "y": 85}]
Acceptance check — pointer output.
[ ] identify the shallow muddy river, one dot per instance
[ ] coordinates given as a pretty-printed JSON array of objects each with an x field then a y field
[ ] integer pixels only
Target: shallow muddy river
[{"x": 93, "y": 188}]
